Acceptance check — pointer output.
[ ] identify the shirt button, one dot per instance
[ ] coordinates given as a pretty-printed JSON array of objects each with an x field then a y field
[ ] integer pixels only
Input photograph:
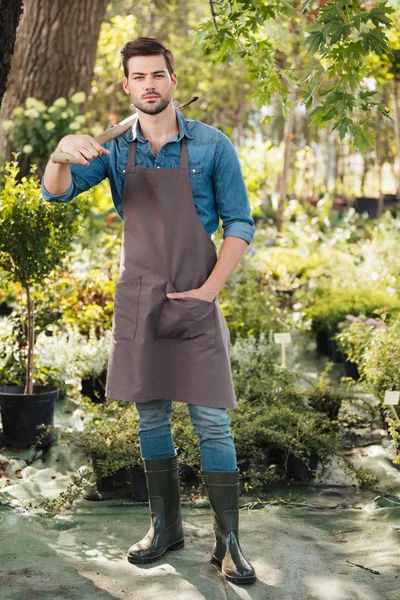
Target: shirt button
[
  {"x": 158, "y": 167},
  {"x": 193, "y": 170},
  {"x": 124, "y": 171}
]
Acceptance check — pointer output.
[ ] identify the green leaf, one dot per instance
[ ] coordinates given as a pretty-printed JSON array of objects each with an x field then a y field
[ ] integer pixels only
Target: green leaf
[
  {"x": 315, "y": 42},
  {"x": 363, "y": 140}
]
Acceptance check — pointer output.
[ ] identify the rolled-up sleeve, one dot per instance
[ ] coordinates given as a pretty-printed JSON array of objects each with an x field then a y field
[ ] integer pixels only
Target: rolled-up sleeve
[
  {"x": 83, "y": 178},
  {"x": 65, "y": 197},
  {"x": 230, "y": 192}
]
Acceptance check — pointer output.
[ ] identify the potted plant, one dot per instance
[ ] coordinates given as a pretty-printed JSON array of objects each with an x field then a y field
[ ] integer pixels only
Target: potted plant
[
  {"x": 381, "y": 365},
  {"x": 353, "y": 337},
  {"x": 34, "y": 238},
  {"x": 109, "y": 438},
  {"x": 331, "y": 307}
]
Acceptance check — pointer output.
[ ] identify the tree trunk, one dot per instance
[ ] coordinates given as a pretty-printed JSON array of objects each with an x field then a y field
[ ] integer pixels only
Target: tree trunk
[
  {"x": 54, "y": 53},
  {"x": 288, "y": 136},
  {"x": 397, "y": 125},
  {"x": 364, "y": 176},
  {"x": 379, "y": 165},
  {"x": 10, "y": 14},
  {"x": 31, "y": 342}
]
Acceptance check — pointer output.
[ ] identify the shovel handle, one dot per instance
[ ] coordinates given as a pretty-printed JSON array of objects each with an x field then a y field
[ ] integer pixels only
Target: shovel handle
[{"x": 64, "y": 158}]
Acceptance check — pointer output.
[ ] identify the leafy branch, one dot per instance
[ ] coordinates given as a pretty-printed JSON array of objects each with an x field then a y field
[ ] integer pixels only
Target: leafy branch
[{"x": 332, "y": 42}]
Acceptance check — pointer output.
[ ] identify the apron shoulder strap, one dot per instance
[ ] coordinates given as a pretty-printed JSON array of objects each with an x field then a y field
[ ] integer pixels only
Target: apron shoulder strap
[
  {"x": 184, "y": 154},
  {"x": 132, "y": 153}
]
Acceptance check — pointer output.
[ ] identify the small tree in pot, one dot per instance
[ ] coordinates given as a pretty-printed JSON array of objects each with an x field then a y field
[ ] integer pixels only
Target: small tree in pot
[{"x": 34, "y": 238}]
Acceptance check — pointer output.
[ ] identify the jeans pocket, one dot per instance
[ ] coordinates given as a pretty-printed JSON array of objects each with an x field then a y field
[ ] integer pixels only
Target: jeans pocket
[
  {"x": 186, "y": 318},
  {"x": 126, "y": 308}
]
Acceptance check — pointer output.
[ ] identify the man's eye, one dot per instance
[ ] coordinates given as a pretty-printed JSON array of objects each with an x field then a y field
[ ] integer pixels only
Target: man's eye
[
  {"x": 160, "y": 75},
  {"x": 137, "y": 78}
]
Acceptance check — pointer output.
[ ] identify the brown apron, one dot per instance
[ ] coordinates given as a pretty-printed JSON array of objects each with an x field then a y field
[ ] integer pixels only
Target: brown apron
[{"x": 164, "y": 348}]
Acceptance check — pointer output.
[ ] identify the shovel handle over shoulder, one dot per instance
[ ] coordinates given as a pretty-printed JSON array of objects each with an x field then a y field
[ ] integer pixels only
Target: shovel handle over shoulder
[{"x": 65, "y": 158}]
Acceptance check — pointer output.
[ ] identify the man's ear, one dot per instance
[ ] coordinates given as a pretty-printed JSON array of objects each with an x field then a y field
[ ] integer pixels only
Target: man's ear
[
  {"x": 174, "y": 81},
  {"x": 125, "y": 85}
]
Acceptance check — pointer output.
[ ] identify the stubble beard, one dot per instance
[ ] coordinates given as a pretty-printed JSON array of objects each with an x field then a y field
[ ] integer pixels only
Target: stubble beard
[{"x": 153, "y": 109}]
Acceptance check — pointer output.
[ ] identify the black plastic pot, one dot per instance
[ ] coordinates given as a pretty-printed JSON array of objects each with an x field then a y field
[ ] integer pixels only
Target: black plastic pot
[
  {"x": 297, "y": 468},
  {"x": 328, "y": 404},
  {"x": 335, "y": 352},
  {"x": 368, "y": 205},
  {"x": 384, "y": 411},
  {"x": 94, "y": 387},
  {"x": 5, "y": 309},
  {"x": 110, "y": 482},
  {"x": 322, "y": 342},
  {"x": 350, "y": 369},
  {"x": 390, "y": 199},
  {"x": 21, "y": 414}
]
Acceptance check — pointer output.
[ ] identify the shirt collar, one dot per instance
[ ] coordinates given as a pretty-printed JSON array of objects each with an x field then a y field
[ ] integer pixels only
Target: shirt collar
[{"x": 134, "y": 133}]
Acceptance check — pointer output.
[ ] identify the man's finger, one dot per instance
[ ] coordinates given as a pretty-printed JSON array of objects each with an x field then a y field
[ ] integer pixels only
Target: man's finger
[
  {"x": 99, "y": 149},
  {"x": 88, "y": 153},
  {"x": 80, "y": 157}
]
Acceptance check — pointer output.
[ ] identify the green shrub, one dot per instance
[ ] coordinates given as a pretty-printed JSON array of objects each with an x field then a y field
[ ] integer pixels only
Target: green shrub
[
  {"x": 380, "y": 360},
  {"x": 36, "y": 128},
  {"x": 279, "y": 410},
  {"x": 251, "y": 306},
  {"x": 111, "y": 432},
  {"x": 354, "y": 335},
  {"x": 35, "y": 237},
  {"x": 331, "y": 306},
  {"x": 394, "y": 431}
]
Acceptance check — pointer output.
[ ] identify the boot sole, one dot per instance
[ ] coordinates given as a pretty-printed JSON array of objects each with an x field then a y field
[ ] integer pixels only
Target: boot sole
[
  {"x": 136, "y": 560},
  {"x": 237, "y": 580}
]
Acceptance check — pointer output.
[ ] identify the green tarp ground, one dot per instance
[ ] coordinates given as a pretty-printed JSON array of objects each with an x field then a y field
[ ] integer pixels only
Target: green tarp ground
[
  {"x": 298, "y": 553},
  {"x": 300, "y": 550}
]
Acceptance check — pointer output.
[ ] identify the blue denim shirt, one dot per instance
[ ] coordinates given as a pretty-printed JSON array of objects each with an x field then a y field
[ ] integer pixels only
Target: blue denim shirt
[{"x": 218, "y": 187}]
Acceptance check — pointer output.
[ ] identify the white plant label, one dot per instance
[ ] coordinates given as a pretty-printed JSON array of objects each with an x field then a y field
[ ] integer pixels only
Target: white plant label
[
  {"x": 392, "y": 398},
  {"x": 282, "y": 338}
]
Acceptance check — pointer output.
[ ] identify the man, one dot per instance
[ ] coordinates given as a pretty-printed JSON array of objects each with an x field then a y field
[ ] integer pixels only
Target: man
[{"x": 171, "y": 179}]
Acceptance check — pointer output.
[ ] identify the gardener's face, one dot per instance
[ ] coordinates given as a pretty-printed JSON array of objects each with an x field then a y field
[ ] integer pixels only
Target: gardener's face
[{"x": 149, "y": 83}]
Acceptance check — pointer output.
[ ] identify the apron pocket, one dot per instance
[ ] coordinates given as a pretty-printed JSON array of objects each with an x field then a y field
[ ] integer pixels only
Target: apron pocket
[
  {"x": 126, "y": 307},
  {"x": 186, "y": 318}
]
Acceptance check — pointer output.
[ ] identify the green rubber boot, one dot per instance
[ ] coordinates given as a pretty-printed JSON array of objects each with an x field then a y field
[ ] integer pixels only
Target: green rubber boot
[
  {"x": 223, "y": 493},
  {"x": 166, "y": 531}
]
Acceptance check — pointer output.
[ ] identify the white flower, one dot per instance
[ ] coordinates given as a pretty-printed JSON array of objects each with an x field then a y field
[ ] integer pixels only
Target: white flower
[
  {"x": 71, "y": 356},
  {"x": 32, "y": 113},
  {"x": 78, "y": 98},
  {"x": 50, "y": 125},
  {"x": 8, "y": 125},
  {"x": 60, "y": 102}
]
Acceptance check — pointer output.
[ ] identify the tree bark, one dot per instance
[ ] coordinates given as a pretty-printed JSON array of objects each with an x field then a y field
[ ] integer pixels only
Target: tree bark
[
  {"x": 288, "y": 136},
  {"x": 54, "y": 54},
  {"x": 397, "y": 127},
  {"x": 31, "y": 342},
  {"x": 10, "y": 14}
]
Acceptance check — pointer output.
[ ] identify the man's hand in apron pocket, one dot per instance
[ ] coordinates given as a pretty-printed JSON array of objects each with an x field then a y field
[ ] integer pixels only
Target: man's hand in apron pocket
[
  {"x": 189, "y": 314},
  {"x": 195, "y": 293}
]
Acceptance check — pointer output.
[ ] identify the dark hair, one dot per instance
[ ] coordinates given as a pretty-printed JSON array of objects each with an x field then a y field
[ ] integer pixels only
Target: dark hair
[{"x": 145, "y": 46}]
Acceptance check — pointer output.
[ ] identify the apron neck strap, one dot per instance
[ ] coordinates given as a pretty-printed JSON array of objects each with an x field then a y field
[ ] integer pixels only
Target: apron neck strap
[
  {"x": 132, "y": 154},
  {"x": 184, "y": 154}
]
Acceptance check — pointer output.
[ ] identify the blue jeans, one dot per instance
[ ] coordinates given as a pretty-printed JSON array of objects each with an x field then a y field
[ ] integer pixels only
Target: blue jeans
[{"x": 212, "y": 425}]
